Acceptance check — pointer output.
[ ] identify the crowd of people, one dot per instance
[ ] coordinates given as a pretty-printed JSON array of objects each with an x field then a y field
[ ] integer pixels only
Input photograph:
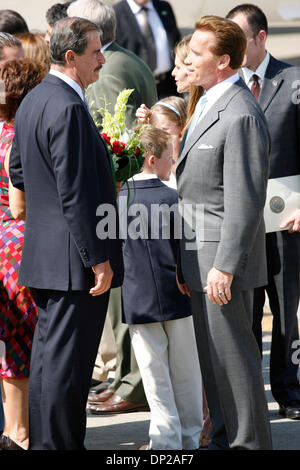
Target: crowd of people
[{"x": 216, "y": 120}]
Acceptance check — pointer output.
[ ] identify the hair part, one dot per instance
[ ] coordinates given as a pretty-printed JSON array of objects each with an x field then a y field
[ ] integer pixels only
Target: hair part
[
  {"x": 154, "y": 140},
  {"x": 19, "y": 77},
  {"x": 98, "y": 12},
  {"x": 70, "y": 34},
  {"x": 230, "y": 39},
  {"x": 257, "y": 20}
]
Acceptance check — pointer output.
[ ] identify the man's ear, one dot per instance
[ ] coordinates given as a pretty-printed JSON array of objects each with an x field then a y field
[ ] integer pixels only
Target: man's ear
[
  {"x": 224, "y": 61},
  {"x": 261, "y": 37},
  {"x": 70, "y": 57}
]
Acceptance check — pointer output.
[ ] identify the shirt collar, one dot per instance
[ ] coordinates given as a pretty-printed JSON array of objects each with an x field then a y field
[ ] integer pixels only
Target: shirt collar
[
  {"x": 106, "y": 46},
  {"x": 137, "y": 8},
  {"x": 144, "y": 176},
  {"x": 217, "y": 90},
  {"x": 260, "y": 71},
  {"x": 69, "y": 81}
]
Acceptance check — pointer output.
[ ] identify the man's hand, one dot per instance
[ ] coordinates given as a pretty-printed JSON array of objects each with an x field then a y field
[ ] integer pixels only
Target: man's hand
[
  {"x": 218, "y": 286},
  {"x": 119, "y": 186},
  {"x": 103, "y": 278},
  {"x": 294, "y": 221},
  {"x": 183, "y": 288}
]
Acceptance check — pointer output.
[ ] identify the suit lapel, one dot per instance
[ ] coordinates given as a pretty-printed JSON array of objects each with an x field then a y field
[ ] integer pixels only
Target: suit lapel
[
  {"x": 271, "y": 84},
  {"x": 209, "y": 119}
]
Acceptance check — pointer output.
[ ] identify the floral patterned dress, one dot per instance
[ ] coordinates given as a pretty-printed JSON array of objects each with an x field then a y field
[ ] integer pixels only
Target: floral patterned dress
[{"x": 18, "y": 312}]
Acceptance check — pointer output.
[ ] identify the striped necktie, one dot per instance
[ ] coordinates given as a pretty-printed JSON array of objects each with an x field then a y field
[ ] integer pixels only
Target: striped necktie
[{"x": 149, "y": 37}]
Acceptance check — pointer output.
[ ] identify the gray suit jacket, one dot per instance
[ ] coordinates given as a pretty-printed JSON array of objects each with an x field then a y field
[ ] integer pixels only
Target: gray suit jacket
[{"x": 223, "y": 167}]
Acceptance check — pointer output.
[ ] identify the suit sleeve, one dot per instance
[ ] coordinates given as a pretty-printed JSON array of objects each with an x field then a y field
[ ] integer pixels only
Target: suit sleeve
[
  {"x": 245, "y": 175},
  {"x": 74, "y": 148},
  {"x": 15, "y": 166}
]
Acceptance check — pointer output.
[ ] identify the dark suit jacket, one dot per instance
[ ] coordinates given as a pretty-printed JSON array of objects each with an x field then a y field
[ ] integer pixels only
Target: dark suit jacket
[
  {"x": 122, "y": 69},
  {"x": 280, "y": 103},
  {"x": 150, "y": 293},
  {"x": 129, "y": 34},
  {"x": 60, "y": 161}
]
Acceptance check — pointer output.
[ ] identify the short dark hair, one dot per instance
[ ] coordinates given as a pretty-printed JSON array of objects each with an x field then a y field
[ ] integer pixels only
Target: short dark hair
[
  {"x": 19, "y": 77},
  {"x": 57, "y": 12},
  {"x": 12, "y": 22},
  {"x": 256, "y": 18},
  {"x": 230, "y": 39},
  {"x": 8, "y": 40},
  {"x": 70, "y": 34}
]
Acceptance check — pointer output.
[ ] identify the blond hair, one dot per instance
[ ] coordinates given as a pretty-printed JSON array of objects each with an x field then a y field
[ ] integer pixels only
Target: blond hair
[
  {"x": 174, "y": 107},
  {"x": 36, "y": 48},
  {"x": 154, "y": 140}
]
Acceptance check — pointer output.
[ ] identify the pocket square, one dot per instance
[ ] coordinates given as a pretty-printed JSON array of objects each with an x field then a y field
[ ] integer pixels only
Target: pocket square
[{"x": 205, "y": 146}]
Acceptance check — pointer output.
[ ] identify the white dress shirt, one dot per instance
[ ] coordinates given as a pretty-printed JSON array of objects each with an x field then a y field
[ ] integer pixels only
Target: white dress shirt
[
  {"x": 215, "y": 92},
  {"x": 163, "y": 57},
  {"x": 260, "y": 72},
  {"x": 69, "y": 81}
]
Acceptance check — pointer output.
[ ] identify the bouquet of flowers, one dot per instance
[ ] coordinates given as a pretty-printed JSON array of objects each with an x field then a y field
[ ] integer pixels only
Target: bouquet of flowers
[{"x": 124, "y": 145}]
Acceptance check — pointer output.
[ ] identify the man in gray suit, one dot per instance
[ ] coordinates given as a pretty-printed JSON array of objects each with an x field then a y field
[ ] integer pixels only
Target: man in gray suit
[
  {"x": 274, "y": 82},
  {"x": 223, "y": 169}
]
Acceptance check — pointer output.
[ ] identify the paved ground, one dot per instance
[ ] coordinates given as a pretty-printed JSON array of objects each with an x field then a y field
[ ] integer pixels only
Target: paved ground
[{"x": 128, "y": 431}]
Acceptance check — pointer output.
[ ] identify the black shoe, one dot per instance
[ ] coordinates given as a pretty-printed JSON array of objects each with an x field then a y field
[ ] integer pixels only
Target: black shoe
[
  {"x": 7, "y": 444},
  {"x": 291, "y": 410},
  {"x": 96, "y": 389}
]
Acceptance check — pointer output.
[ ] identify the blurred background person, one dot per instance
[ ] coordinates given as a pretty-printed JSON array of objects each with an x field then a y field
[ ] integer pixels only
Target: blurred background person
[
  {"x": 36, "y": 48},
  {"x": 12, "y": 22},
  {"x": 149, "y": 29},
  {"x": 10, "y": 49},
  {"x": 18, "y": 313},
  {"x": 55, "y": 13}
]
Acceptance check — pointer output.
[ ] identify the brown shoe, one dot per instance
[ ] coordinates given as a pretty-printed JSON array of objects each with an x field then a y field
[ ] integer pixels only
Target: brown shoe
[
  {"x": 144, "y": 447},
  {"x": 117, "y": 404},
  {"x": 95, "y": 399}
]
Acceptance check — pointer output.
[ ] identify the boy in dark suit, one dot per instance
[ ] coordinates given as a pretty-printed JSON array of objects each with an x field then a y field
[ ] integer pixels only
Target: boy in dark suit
[{"x": 159, "y": 316}]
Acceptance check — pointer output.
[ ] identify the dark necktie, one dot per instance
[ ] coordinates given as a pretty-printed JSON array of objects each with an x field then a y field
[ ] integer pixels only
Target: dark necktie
[
  {"x": 150, "y": 42},
  {"x": 255, "y": 88}
]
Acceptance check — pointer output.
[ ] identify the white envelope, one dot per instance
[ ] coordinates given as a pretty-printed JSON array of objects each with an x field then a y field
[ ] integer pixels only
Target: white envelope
[{"x": 283, "y": 198}]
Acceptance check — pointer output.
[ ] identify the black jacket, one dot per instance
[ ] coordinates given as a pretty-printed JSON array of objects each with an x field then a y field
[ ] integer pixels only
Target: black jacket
[{"x": 60, "y": 161}]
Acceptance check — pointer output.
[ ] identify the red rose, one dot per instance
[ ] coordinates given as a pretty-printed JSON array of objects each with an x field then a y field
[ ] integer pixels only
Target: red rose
[
  {"x": 137, "y": 152},
  {"x": 118, "y": 147},
  {"x": 106, "y": 138}
]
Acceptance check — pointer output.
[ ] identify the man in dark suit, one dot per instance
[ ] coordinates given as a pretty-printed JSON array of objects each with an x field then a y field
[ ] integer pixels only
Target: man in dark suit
[
  {"x": 222, "y": 177},
  {"x": 122, "y": 69},
  {"x": 60, "y": 161},
  {"x": 148, "y": 28},
  {"x": 274, "y": 90}
]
